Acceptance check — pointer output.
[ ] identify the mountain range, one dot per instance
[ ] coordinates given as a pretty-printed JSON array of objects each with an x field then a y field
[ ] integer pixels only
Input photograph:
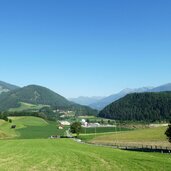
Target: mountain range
[
  {"x": 165, "y": 87},
  {"x": 38, "y": 95},
  {"x": 100, "y": 104},
  {"x": 11, "y": 96},
  {"x": 86, "y": 100},
  {"x": 106, "y": 101}
]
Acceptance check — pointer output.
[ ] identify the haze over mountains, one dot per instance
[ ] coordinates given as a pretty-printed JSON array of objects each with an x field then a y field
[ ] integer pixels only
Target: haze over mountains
[
  {"x": 86, "y": 100},
  {"x": 165, "y": 87},
  {"x": 100, "y": 104},
  {"x": 106, "y": 101},
  {"x": 11, "y": 95}
]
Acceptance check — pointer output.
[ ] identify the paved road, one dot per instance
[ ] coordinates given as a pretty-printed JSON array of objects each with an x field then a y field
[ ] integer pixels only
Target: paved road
[{"x": 68, "y": 134}]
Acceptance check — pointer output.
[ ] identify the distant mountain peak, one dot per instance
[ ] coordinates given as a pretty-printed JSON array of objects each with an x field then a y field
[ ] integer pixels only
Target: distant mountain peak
[
  {"x": 126, "y": 90},
  {"x": 106, "y": 101}
]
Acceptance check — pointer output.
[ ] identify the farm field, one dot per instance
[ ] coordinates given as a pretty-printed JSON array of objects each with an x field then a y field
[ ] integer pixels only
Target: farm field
[
  {"x": 146, "y": 136},
  {"x": 65, "y": 154},
  {"x": 28, "y": 148},
  {"x": 101, "y": 130},
  {"x": 28, "y": 127}
]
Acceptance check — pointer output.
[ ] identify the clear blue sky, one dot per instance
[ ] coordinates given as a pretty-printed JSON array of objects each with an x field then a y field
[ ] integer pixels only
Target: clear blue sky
[{"x": 85, "y": 47}]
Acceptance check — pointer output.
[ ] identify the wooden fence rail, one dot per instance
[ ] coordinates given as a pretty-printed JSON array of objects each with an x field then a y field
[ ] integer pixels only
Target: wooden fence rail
[{"x": 144, "y": 148}]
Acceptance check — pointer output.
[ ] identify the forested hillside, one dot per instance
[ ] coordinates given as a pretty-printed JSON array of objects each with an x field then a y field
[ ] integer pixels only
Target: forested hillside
[
  {"x": 34, "y": 94},
  {"x": 5, "y": 87},
  {"x": 140, "y": 106}
]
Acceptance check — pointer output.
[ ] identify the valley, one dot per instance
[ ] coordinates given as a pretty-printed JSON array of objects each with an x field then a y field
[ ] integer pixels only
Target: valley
[
  {"x": 33, "y": 150},
  {"x": 35, "y": 122}
]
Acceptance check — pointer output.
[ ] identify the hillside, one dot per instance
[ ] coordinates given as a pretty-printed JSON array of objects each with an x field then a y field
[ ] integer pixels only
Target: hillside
[
  {"x": 28, "y": 127},
  {"x": 37, "y": 95},
  {"x": 106, "y": 101},
  {"x": 33, "y": 95},
  {"x": 146, "y": 136},
  {"x": 5, "y": 87},
  {"x": 140, "y": 106}
]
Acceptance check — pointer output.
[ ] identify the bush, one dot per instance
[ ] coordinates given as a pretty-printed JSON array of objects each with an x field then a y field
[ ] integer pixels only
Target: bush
[
  {"x": 76, "y": 128},
  {"x": 168, "y": 132}
]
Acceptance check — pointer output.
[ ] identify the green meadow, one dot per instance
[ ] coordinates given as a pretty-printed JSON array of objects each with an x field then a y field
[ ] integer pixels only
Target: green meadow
[
  {"x": 28, "y": 148},
  {"x": 143, "y": 136},
  {"x": 28, "y": 127},
  {"x": 101, "y": 130},
  {"x": 67, "y": 155}
]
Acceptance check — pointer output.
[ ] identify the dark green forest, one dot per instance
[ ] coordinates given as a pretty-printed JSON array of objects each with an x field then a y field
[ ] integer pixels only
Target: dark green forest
[{"x": 140, "y": 106}]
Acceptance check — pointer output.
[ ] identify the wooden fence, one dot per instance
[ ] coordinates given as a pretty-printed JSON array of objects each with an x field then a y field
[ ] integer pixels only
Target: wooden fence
[{"x": 133, "y": 147}]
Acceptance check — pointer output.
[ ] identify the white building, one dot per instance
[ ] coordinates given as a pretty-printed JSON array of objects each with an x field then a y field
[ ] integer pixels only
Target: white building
[
  {"x": 84, "y": 123},
  {"x": 65, "y": 123}
]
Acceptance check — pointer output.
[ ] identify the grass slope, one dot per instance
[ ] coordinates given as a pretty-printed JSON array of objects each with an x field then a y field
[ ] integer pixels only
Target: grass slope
[
  {"x": 31, "y": 150},
  {"x": 67, "y": 155},
  {"x": 101, "y": 130},
  {"x": 147, "y": 136},
  {"x": 29, "y": 127}
]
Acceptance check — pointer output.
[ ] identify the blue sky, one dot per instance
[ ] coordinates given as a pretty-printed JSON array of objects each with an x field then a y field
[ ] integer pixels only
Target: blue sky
[{"x": 85, "y": 47}]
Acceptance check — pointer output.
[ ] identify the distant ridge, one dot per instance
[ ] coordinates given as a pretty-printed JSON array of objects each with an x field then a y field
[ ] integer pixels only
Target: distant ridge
[
  {"x": 106, "y": 101},
  {"x": 149, "y": 106},
  {"x": 34, "y": 94},
  {"x": 86, "y": 100},
  {"x": 97, "y": 103},
  {"x": 5, "y": 87},
  {"x": 165, "y": 87}
]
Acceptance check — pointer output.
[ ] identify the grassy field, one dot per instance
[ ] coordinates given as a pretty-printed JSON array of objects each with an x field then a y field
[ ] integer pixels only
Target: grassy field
[
  {"x": 29, "y": 127},
  {"x": 101, "y": 130},
  {"x": 28, "y": 148},
  {"x": 67, "y": 155},
  {"x": 146, "y": 136},
  {"x": 27, "y": 107}
]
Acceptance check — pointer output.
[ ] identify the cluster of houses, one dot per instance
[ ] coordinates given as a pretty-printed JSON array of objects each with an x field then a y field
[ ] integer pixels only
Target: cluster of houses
[
  {"x": 86, "y": 124},
  {"x": 63, "y": 124},
  {"x": 92, "y": 125}
]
